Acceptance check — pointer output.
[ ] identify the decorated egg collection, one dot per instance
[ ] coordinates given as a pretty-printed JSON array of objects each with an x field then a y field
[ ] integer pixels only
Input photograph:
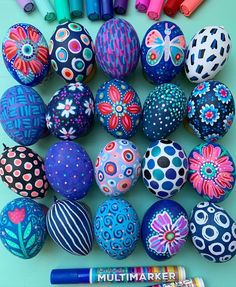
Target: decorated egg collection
[{"x": 165, "y": 168}]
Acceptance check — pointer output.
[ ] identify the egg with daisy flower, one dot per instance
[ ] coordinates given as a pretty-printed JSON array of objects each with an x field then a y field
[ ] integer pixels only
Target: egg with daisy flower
[{"x": 70, "y": 112}]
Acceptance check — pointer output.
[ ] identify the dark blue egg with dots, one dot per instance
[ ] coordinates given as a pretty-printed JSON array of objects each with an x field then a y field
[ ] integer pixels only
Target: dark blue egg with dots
[
  {"x": 164, "y": 168},
  {"x": 69, "y": 169}
]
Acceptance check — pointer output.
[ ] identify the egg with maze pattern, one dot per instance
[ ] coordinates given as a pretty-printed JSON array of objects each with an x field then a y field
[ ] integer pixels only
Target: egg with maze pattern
[
  {"x": 118, "y": 108},
  {"x": 22, "y": 170},
  {"x": 213, "y": 232},
  {"x": 69, "y": 225},
  {"x": 22, "y": 114},
  {"x": 69, "y": 169},
  {"x": 207, "y": 54},
  {"x": 118, "y": 167},
  {"x": 163, "y": 52},
  {"x": 164, "y": 230},
  {"x": 26, "y": 54},
  {"x": 23, "y": 227},
  {"x": 164, "y": 168},
  {"x": 72, "y": 53},
  {"x": 70, "y": 112},
  {"x": 211, "y": 110},
  {"x": 117, "y": 48},
  {"x": 117, "y": 228}
]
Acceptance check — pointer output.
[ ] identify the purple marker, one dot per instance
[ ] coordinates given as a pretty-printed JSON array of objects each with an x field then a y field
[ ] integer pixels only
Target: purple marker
[
  {"x": 120, "y": 6},
  {"x": 106, "y": 9},
  {"x": 26, "y": 5}
]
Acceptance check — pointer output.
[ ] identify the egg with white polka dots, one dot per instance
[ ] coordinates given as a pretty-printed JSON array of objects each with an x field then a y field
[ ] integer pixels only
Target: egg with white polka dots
[
  {"x": 69, "y": 169},
  {"x": 23, "y": 171},
  {"x": 163, "y": 111},
  {"x": 164, "y": 168},
  {"x": 213, "y": 232},
  {"x": 72, "y": 53}
]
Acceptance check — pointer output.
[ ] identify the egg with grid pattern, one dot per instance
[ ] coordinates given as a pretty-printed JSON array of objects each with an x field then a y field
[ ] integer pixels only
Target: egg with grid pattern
[
  {"x": 69, "y": 169},
  {"x": 163, "y": 52},
  {"x": 164, "y": 168},
  {"x": 23, "y": 227},
  {"x": 211, "y": 110},
  {"x": 23, "y": 171},
  {"x": 22, "y": 114},
  {"x": 70, "y": 226},
  {"x": 117, "y": 59},
  {"x": 213, "y": 232},
  {"x": 72, "y": 53},
  {"x": 70, "y": 112},
  {"x": 163, "y": 111},
  {"x": 117, "y": 167},
  {"x": 116, "y": 228},
  {"x": 26, "y": 55},
  {"x": 165, "y": 228},
  {"x": 118, "y": 108},
  {"x": 207, "y": 53}
]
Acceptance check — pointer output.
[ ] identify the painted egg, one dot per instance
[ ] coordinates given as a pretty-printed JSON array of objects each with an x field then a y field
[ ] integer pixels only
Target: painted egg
[
  {"x": 164, "y": 168},
  {"x": 69, "y": 169},
  {"x": 120, "y": 240},
  {"x": 163, "y": 52},
  {"x": 23, "y": 227},
  {"x": 211, "y": 110},
  {"x": 118, "y": 167},
  {"x": 26, "y": 55},
  {"x": 119, "y": 58},
  {"x": 213, "y": 232},
  {"x": 211, "y": 171},
  {"x": 118, "y": 108},
  {"x": 165, "y": 229},
  {"x": 70, "y": 226},
  {"x": 72, "y": 53},
  {"x": 22, "y": 170},
  {"x": 163, "y": 111},
  {"x": 70, "y": 112},
  {"x": 22, "y": 114},
  {"x": 207, "y": 53}
]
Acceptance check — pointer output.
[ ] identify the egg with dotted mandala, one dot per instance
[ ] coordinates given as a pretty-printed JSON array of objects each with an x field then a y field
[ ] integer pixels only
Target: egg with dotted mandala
[
  {"x": 23, "y": 171},
  {"x": 164, "y": 168},
  {"x": 70, "y": 112},
  {"x": 163, "y": 52},
  {"x": 118, "y": 167},
  {"x": 69, "y": 169},
  {"x": 118, "y": 108},
  {"x": 163, "y": 111},
  {"x": 72, "y": 53}
]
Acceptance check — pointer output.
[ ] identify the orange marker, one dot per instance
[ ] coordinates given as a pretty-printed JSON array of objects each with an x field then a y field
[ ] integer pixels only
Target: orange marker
[
  {"x": 189, "y": 6},
  {"x": 155, "y": 9}
]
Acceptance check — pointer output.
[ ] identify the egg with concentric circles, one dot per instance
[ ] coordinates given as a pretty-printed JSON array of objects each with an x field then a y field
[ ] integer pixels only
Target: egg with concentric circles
[
  {"x": 117, "y": 228},
  {"x": 23, "y": 227}
]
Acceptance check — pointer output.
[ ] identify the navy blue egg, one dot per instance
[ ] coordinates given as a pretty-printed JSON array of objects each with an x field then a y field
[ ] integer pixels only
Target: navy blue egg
[
  {"x": 163, "y": 111},
  {"x": 213, "y": 232},
  {"x": 163, "y": 52},
  {"x": 164, "y": 229},
  {"x": 69, "y": 225},
  {"x": 211, "y": 110}
]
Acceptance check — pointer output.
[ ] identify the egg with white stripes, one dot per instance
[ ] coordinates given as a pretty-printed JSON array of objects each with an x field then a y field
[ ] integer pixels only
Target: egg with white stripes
[{"x": 69, "y": 225}]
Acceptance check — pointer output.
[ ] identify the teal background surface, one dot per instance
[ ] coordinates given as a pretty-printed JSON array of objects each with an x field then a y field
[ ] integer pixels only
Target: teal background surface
[{"x": 15, "y": 272}]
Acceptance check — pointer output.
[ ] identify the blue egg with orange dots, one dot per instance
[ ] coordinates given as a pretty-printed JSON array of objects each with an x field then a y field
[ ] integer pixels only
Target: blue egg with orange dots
[
  {"x": 165, "y": 228},
  {"x": 26, "y": 54},
  {"x": 163, "y": 52},
  {"x": 23, "y": 227},
  {"x": 69, "y": 169},
  {"x": 118, "y": 108},
  {"x": 72, "y": 53},
  {"x": 117, "y": 228}
]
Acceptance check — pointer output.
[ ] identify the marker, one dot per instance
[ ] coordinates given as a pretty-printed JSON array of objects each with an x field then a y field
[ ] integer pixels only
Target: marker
[
  {"x": 106, "y": 9},
  {"x": 190, "y": 6},
  {"x": 155, "y": 8},
  {"x": 76, "y": 8},
  {"x": 93, "y": 9},
  {"x": 172, "y": 7},
  {"x": 142, "y": 5},
  {"x": 120, "y": 6},
  {"x": 62, "y": 10},
  {"x": 118, "y": 274},
  {"x": 26, "y": 5},
  {"x": 46, "y": 10},
  {"x": 194, "y": 282}
]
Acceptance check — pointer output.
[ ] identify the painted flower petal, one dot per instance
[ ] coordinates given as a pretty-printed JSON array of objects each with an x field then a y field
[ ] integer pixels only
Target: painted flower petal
[
  {"x": 105, "y": 108},
  {"x": 210, "y": 152},
  {"x": 128, "y": 97},
  {"x": 113, "y": 122},
  {"x": 181, "y": 227},
  {"x": 225, "y": 164},
  {"x": 114, "y": 94},
  {"x": 21, "y": 65},
  {"x": 18, "y": 34},
  {"x": 42, "y": 54},
  {"x": 158, "y": 244},
  {"x": 126, "y": 122},
  {"x": 134, "y": 109},
  {"x": 36, "y": 66},
  {"x": 10, "y": 49},
  {"x": 197, "y": 181},
  {"x": 224, "y": 180},
  {"x": 33, "y": 35}
]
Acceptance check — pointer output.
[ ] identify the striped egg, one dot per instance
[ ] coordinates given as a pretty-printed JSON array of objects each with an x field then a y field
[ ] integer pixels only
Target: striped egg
[{"x": 69, "y": 225}]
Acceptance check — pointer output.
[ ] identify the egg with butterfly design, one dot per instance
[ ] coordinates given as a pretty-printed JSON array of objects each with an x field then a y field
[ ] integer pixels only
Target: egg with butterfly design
[{"x": 163, "y": 52}]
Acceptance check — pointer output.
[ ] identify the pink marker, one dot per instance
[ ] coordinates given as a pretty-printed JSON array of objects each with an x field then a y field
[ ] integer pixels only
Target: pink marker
[
  {"x": 155, "y": 9},
  {"x": 142, "y": 5}
]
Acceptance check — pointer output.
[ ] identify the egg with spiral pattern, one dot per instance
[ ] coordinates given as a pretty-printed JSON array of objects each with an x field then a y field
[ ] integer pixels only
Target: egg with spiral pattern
[{"x": 116, "y": 228}]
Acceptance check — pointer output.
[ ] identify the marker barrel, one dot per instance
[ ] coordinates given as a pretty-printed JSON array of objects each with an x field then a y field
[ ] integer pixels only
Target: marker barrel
[
  {"x": 120, "y": 6},
  {"x": 106, "y": 9},
  {"x": 155, "y": 9},
  {"x": 93, "y": 9},
  {"x": 62, "y": 10},
  {"x": 76, "y": 8},
  {"x": 46, "y": 10},
  {"x": 27, "y": 5},
  {"x": 190, "y": 6}
]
